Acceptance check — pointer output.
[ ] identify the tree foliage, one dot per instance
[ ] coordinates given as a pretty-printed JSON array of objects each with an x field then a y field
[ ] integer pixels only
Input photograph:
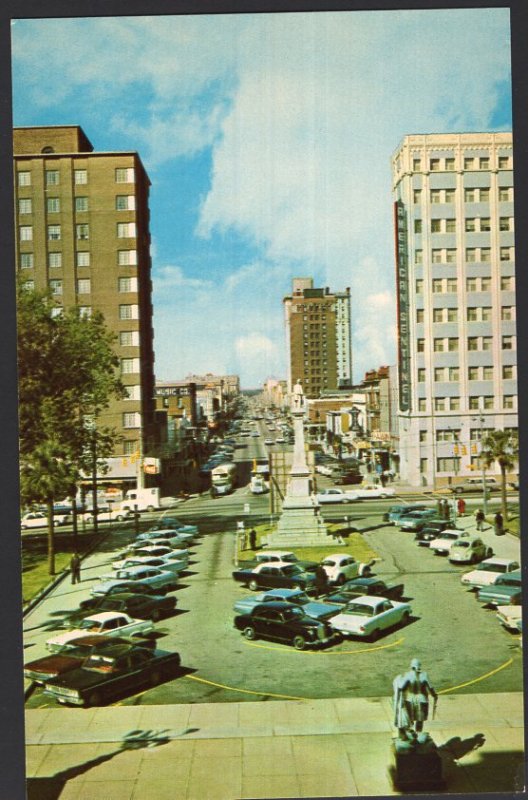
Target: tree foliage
[
  {"x": 501, "y": 447},
  {"x": 67, "y": 376}
]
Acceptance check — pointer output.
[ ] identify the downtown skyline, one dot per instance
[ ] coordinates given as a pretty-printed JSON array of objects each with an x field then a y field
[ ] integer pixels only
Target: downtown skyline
[{"x": 269, "y": 154}]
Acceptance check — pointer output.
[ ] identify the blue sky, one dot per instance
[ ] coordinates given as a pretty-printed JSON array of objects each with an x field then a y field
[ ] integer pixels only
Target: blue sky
[{"x": 268, "y": 140}]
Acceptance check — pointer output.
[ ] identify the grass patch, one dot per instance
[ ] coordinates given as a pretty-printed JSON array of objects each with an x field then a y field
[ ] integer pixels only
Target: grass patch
[
  {"x": 35, "y": 575},
  {"x": 356, "y": 546}
]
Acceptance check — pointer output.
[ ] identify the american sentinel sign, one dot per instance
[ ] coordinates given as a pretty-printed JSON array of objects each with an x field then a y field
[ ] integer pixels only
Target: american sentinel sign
[{"x": 402, "y": 308}]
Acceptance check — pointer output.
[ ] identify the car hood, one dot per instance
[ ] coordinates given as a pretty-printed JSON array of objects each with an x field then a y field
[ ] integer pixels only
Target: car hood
[
  {"x": 321, "y": 610},
  {"x": 78, "y": 679},
  {"x": 54, "y": 664}
]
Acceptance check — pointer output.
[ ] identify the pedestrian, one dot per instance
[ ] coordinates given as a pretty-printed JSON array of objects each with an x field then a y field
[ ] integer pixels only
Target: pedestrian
[
  {"x": 383, "y": 479},
  {"x": 75, "y": 568},
  {"x": 445, "y": 509},
  {"x": 252, "y": 539},
  {"x": 321, "y": 580},
  {"x": 461, "y": 506},
  {"x": 479, "y": 518},
  {"x": 498, "y": 523},
  {"x": 440, "y": 508}
]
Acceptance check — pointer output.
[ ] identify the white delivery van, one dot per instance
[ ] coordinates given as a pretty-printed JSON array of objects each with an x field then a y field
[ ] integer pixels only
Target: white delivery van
[
  {"x": 223, "y": 479},
  {"x": 144, "y": 499}
]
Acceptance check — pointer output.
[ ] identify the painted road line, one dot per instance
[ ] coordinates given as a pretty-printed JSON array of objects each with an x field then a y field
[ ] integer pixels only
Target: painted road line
[
  {"x": 480, "y": 678},
  {"x": 332, "y": 653},
  {"x": 245, "y": 691}
]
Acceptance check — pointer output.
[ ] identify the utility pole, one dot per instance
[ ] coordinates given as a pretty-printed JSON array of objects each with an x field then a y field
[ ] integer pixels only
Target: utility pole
[{"x": 94, "y": 481}]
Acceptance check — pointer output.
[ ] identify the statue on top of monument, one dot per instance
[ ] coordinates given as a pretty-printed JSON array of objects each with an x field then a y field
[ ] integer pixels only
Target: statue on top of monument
[{"x": 298, "y": 395}]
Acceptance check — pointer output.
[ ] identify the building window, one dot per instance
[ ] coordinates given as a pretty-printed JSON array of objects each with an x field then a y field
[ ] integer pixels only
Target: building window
[
  {"x": 417, "y": 225},
  {"x": 505, "y": 223},
  {"x": 487, "y": 342},
  {"x": 85, "y": 311},
  {"x": 469, "y": 195},
  {"x": 506, "y": 283},
  {"x": 469, "y": 163},
  {"x": 55, "y": 287},
  {"x": 130, "y": 448},
  {"x": 438, "y": 314},
  {"x": 485, "y": 254},
  {"x": 487, "y": 402},
  {"x": 471, "y": 285},
  {"x": 54, "y": 232},
  {"x": 451, "y": 255},
  {"x": 84, "y": 286},
  {"x": 485, "y": 313},
  {"x": 80, "y": 176},
  {"x": 484, "y": 195},
  {"x": 487, "y": 373},
  {"x": 438, "y": 285},
  {"x": 473, "y": 373},
  {"x": 454, "y": 374},
  {"x": 127, "y": 284},
  {"x": 448, "y": 464},
  {"x": 419, "y": 315},
  {"x": 131, "y": 420},
  {"x": 504, "y": 194},
  {"x": 470, "y": 224},
  {"x": 127, "y": 258},
  {"x": 124, "y": 175},
  {"x": 83, "y": 258},
  {"x": 417, "y": 196},
  {"x": 504, "y": 162},
  {"x": 81, "y": 204},
  {"x": 126, "y": 230},
  {"x": 421, "y": 375},
  {"x": 436, "y": 226},
  {"x": 439, "y": 374},
  {"x": 420, "y": 345},
  {"x": 125, "y": 202},
  {"x": 450, "y": 225},
  {"x": 25, "y": 206},
  {"x": 507, "y": 401},
  {"x": 418, "y": 256},
  {"x": 422, "y": 404},
  {"x": 128, "y": 312},
  {"x": 419, "y": 286},
  {"x": 508, "y": 342},
  {"x": 434, "y": 164},
  {"x": 472, "y": 343},
  {"x": 449, "y": 195},
  {"x": 56, "y": 311},
  {"x": 508, "y": 372},
  {"x": 438, "y": 345},
  {"x": 449, "y": 435},
  {"x": 54, "y": 259},
  {"x": 450, "y": 164},
  {"x": 82, "y": 231},
  {"x": 440, "y": 403},
  {"x": 53, "y": 205},
  {"x": 437, "y": 256},
  {"x": 472, "y": 314},
  {"x": 129, "y": 365},
  {"x": 52, "y": 177},
  {"x": 484, "y": 162},
  {"x": 436, "y": 196},
  {"x": 423, "y": 436},
  {"x": 452, "y": 344},
  {"x": 24, "y": 178},
  {"x": 485, "y": 284},
  {"x": 452, "y": 314},
  {"x": 454, "y": 403},
  {"x": 26, "y": 260},
  {"x": 417, "y": 164},
  {"x": 129, "y": 338},
  {"x": 452, "y": 285},
  {"x": 26, "y": 233},
  {"x": 471, "y": 254}
]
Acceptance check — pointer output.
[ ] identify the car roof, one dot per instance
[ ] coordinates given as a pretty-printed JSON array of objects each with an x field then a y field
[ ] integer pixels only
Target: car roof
[
  {"x": 283, "y": 592},
  {"x": 104, "y": 615},
  {"x": 368, "y": 600},
  {"x": 494, "y": 560},
  {"x": 276, "y": 604}
]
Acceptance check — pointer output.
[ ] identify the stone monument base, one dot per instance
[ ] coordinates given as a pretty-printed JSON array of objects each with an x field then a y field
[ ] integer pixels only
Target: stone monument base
[
  {"x": 416, "y": 768},
  {"x": 299, "y": 526}
]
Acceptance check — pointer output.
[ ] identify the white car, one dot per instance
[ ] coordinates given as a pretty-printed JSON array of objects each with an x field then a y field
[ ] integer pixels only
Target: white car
[
  {"x": 172, "y": 537},
  {"x": 161, "y": 580},
  {"x": 369, "y": 490},
  {"x": 280, "y": 440},
  {"x": 340, "y": 567},
  {"x": 510, "y": 616},
  {"x": 255, "y": 433},
  {"x": 335, "y": 496},
  {"x": 113, "y": 515},
  {"x": 110, "y": 623},
  {"x": 147, "y": 554},
  {"x": 445, "y": 540},
  {"x": 369, "y": 615},
  {"x": 39, "y": 519},
  {"x": 488, "y": 571},
  {"x": 169, "y": 564}
]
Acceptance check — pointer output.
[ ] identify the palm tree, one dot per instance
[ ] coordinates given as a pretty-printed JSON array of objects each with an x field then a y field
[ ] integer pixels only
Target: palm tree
[{"x": 502, "y": 447}]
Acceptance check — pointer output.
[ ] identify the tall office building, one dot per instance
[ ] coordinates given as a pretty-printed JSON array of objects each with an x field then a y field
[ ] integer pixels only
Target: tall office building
[
  {"x": 318, "y": 337},
  {"x": 455, "y": 264},
  {"x": 82, "y": 230}
]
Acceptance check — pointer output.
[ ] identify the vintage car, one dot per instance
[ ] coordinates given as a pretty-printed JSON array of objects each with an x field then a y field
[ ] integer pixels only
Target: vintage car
[
  {"x": 286, "y": 556},
  {"x": 369, "y": 616},
  {"x": 507, "y": 590},
  {"x": 340, "y": 567},
  {"x": 488, "y": 572},
  {"x": 335, "y": 496},
  {"x": 160, "y": 580},
  {"x": 69, "y": 657},
  {"x": 112, "y": 672},
  {"x": 393, "y": 513},
  {"x": 469, "y": 550},
  {"x": 432, "y": 530},
  {"x": 110, "y": 623},
  {"x": 276, "y": 575},
  {"x": 142, "y": 606},
  {"x": 175, "y": 524},
  {"x": 367, "y": 491},
  {"x": 445, "y": 540},
  {"x": 314, "y": 608},
  {"x": 283, "y": 622},
  {"x": 511, "y": 617},
  {"x": 168, "y": 563},
  {"x": 416, "y": 520},
  {"x": 364, "y": 586},
  {"x": 171, "y": 537}
]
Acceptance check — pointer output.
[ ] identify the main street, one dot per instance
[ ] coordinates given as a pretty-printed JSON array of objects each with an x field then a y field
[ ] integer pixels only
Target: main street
[{"x": 459, "y": 643}]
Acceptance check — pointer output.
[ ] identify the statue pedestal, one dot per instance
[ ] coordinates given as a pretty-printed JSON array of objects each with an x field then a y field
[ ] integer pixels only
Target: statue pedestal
[{"x": 416, "y": 768}]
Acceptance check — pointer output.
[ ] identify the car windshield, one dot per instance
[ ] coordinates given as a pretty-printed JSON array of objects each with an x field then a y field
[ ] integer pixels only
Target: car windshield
[
  {"x": 99, "y": 664},
  {"x": 90, "y": 624},
  {"x": 462, "y": 544},
  {"x": 359, "y": 610},
  {"x": 290, "y": 557},
  {"x": 292, "y": 569},
  {"x": 492, "y": 567},
  {"x": 292, "y": 613},
  {"x": 299, "y": 599}
]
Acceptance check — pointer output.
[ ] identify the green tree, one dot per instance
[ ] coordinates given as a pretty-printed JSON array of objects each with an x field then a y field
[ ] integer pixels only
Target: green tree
[
  {"x": 501, "y": 447},
  {"x": 67, "y": 376}
]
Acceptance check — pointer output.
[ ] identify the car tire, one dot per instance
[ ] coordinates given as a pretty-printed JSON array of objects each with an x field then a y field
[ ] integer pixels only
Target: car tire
[
  {"x": 120, "y": 518},
  {"x": 253, "y": 585},
  {"x": 249, "y": 633},
  {"x": 489, "y": 553},
  {"x": 94, "y": 699},
  {"x": 299, "y": 642},
  {"x": 406, "y": 618},
  {"x": 458, "y": 490},
  {"x": 374, "y": 636}
]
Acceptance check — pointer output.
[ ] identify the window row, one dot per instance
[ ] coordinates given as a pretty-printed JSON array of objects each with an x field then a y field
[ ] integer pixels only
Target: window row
[
  {"x": 487, "y": 402},
  {"x": 80, "y": 176},
  {"x": 471, "y": 195},
  {"x": 448, "y": 163},
  {"x": 124, "y": 230},
  {"x": 84, "y": 285},
  {"x": 452, "y": 374},
  {"x": 123, "y": 202},
  {"x": 450, "y": 286},
  {"x": 82, "y": 259},
  {"x": 473, "y": 314},
  {"x": 451, "y": 343},
  {"x": 471, "y": 224},
  {"x": 472, "y": 255}
]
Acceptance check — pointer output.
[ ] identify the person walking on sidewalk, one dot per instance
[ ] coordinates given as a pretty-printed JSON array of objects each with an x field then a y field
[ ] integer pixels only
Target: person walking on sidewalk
[
  {"x": 75, "y": 568},
  {"x": 461, "y": 506},
  {"x": 498, "y": 523},
  {"x": 479, "y": 518}
]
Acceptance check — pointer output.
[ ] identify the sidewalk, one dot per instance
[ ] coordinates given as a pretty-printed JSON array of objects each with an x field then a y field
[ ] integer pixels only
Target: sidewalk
[{"x": 320, "y": 748}]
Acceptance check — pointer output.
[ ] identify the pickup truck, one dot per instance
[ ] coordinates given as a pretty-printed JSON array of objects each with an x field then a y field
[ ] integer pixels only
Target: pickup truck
[
  {"x": 506, "y": 590},
  {"x": 361, "y": 586}
]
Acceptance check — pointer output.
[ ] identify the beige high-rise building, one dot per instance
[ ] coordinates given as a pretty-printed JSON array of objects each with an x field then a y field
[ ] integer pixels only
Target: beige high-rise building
[
  {"x": 318, "y": 337},
  {"x": 82, "y": 230},
  {"x": 455, "y": 260}
]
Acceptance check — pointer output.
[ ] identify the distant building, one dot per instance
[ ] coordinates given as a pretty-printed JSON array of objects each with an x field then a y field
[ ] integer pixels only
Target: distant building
[
  {"x": 455, "y": 260},
  {"x": 82, "y": 231},
  {"x": 275, "y": 392},
  {"x": 318, "y": 337}
]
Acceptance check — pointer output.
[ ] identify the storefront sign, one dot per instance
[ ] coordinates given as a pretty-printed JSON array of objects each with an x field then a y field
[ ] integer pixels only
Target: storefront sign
[{"x": 402, "y": 304}]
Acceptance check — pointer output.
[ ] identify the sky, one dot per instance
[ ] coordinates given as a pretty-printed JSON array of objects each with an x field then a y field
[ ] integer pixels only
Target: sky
[{"x": 268, "y": 139}]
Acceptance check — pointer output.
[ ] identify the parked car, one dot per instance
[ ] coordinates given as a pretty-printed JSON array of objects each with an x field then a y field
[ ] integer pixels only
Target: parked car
[
  {"x": 141, "y": 606},
  {"x": 170, "y": 537},
  {"x": 369, "y": 616},
  {"x": 370, "y": 491},
  {"x": 278, "y": 575},
  {"x": 340, "y": 567},
  {"x": 364, "y": 586},
  {"x": 416, "y": 520},
  {"x": 111, "y": 623},
  {"x": 445, "y": 540},
  {"x": 393, "y": 514},
  {"x": 475, "y": 485},
  {"x": 71, "y": 656},
  {"x": 314, "y": 608},
  {"x": 39, "y": 519},
  {"x": 110, "y": 673},
  {"x": 280, "y": 440},
  {"x": 488, "y": 572},
  {"x": 155, "y": 551},
  {"x": 283, "y": 622},
  {"x": 335, "y": 496},
  {"x": 109, "y": 515},
  {"x": 507, "y": 590},
  {"x": 269, "y": 442},
  {"x": 156, "y": 578},
  {"x": 511, "y": 617},
  {"x": 469, "y": 550},
  {"x": 285, "y": 556},
  {"x": 432, "y": 530},
  {"x": 173, "y": 522},
  {"x": 161, "y": 562},
  {"x": 120, "y": 587}
]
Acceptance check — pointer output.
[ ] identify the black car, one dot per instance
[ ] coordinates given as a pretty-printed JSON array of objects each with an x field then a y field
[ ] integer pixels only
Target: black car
[
  {"x": 361, "y": 586},
  {"x": 116, "y": 671},
  {"x": 275, "y": 576},
  {"x": 433, "y": 529},
  {"x": 123, "y": 587},
  {"x": 138, "y": 606},
  {"x": 283, "y": 622}
]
